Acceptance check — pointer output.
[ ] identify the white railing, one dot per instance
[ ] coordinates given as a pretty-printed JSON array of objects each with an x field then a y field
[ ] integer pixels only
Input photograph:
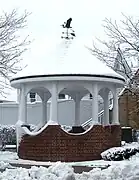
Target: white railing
[
  {"x": 100, "y": 118},
  {"x": 89, "y": 121}
]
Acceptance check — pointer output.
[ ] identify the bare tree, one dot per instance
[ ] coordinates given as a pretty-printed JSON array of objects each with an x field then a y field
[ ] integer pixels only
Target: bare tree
[
  {"x": 122, "y": 44},
  {"x": 12, "y": 46}
]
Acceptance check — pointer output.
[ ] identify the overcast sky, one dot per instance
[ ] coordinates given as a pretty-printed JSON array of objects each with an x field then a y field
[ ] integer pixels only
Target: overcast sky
[{"x": 47, "y": 16}]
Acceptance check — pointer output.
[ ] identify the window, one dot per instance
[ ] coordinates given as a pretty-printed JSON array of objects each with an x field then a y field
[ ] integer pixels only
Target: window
[
  {"x": 32, "y": 97},
  {"x": 61, "y": 96}
]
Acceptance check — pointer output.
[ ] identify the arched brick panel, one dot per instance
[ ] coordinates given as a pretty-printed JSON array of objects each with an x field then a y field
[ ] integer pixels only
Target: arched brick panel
[{"x": 54, "y": 144}]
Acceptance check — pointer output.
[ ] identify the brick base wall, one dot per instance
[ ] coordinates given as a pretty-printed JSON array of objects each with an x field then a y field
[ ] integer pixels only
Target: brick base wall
[{"x": 54, "y": 144}]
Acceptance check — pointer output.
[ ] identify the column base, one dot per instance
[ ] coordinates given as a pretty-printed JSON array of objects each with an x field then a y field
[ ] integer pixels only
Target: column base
[
  {"x": 115, "y": 123},
  {"x": 96, "y": 123}
]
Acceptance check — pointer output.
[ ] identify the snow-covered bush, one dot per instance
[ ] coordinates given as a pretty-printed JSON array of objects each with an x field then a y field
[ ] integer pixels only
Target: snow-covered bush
[
  {"x": 120, "y": 153},
  {"x": 8, "y": 134}
]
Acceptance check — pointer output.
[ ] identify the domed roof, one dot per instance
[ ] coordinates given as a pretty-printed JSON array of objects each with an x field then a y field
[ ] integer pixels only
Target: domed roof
[{"x": 68, "y": 59}]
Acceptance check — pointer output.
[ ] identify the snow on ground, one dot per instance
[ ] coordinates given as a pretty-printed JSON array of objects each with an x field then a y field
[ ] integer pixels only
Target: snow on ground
[
  {"x": 63, "y": 171},
  {"x": 119, "y": 170},
  {"x": 7, "y": 156}
]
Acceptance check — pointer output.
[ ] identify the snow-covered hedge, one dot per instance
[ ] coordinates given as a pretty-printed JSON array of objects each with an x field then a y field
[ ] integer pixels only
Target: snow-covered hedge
[
  {"x": 8, "y": 133},
  {"x": 120, "y": 153}
]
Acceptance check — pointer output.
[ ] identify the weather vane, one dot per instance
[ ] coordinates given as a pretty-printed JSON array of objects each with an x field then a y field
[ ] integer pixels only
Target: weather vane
[{"x": 69, "y": 32}]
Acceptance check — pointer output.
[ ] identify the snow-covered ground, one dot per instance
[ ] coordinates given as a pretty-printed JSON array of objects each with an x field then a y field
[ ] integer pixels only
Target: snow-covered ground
[{"x": 118, "y": 170}]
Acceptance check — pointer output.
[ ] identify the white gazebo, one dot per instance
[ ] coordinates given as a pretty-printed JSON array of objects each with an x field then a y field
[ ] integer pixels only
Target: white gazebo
[{"x": 70, "y": 70}]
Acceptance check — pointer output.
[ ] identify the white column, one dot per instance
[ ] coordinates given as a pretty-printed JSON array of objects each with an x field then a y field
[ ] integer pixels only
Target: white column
[
  {"x": 44, "y": 110},
  {"x": 77, "y": 111},
  {"x": 115, "y": 118},
  {"x": 106, "y": 110},
  {"x": 23, "y": 105},
  {"x": 54, "y": 104},
  {"x": 19, "y": 106},
  {"x": 18, "y": 95},
  {"x": 95, "y": 105}
]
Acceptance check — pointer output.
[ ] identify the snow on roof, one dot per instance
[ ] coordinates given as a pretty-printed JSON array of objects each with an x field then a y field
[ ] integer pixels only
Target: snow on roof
[{"x": 68, "y": 58}]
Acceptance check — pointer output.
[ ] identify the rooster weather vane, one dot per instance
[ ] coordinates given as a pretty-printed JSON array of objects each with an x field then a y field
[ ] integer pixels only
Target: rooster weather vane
[{"x": 69, "y": 32}]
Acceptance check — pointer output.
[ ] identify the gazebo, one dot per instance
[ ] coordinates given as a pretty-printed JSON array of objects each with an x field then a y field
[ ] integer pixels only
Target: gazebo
[{"x": 75, "y": 72}]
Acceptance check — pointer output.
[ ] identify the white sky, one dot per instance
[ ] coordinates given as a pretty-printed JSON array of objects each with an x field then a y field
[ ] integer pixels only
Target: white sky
[{"x": 47, "y": 16}]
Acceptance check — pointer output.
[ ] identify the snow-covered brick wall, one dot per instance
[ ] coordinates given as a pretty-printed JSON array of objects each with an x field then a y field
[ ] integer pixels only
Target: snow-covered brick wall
[{"x": 53, "y": 144}]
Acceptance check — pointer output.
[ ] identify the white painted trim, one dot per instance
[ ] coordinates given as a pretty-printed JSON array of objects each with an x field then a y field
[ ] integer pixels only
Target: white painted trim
[{"x": 16, "y": 83}]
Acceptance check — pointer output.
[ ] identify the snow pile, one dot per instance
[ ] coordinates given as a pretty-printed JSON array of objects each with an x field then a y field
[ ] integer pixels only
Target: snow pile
[
  {"x": 124, "y": 171},
  {"x": 59, "y": 171},
  {"x": 4, "y": 165},
  {"x": 63, "y": 171},
  {"x": 7, "y": 156},
  {"x": 120, "y": 153},
  {"x": 127, "y": 169}
]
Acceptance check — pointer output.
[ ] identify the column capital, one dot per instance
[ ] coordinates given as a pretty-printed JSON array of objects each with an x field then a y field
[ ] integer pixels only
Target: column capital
[
  {"x": 95, "y": 87},
  {"x": 76, "y": 97},
  {"x": 104, "y": 93},
  {"x": 24, "y": 89},
  {"x": 44, "y": 96}
]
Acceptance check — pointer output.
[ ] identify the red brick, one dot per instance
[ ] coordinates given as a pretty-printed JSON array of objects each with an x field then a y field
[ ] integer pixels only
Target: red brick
[{"x": 53, "y": 144}]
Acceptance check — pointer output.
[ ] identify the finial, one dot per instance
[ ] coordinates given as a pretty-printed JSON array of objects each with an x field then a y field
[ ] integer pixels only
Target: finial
[{"x": 69, "y": 32}]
